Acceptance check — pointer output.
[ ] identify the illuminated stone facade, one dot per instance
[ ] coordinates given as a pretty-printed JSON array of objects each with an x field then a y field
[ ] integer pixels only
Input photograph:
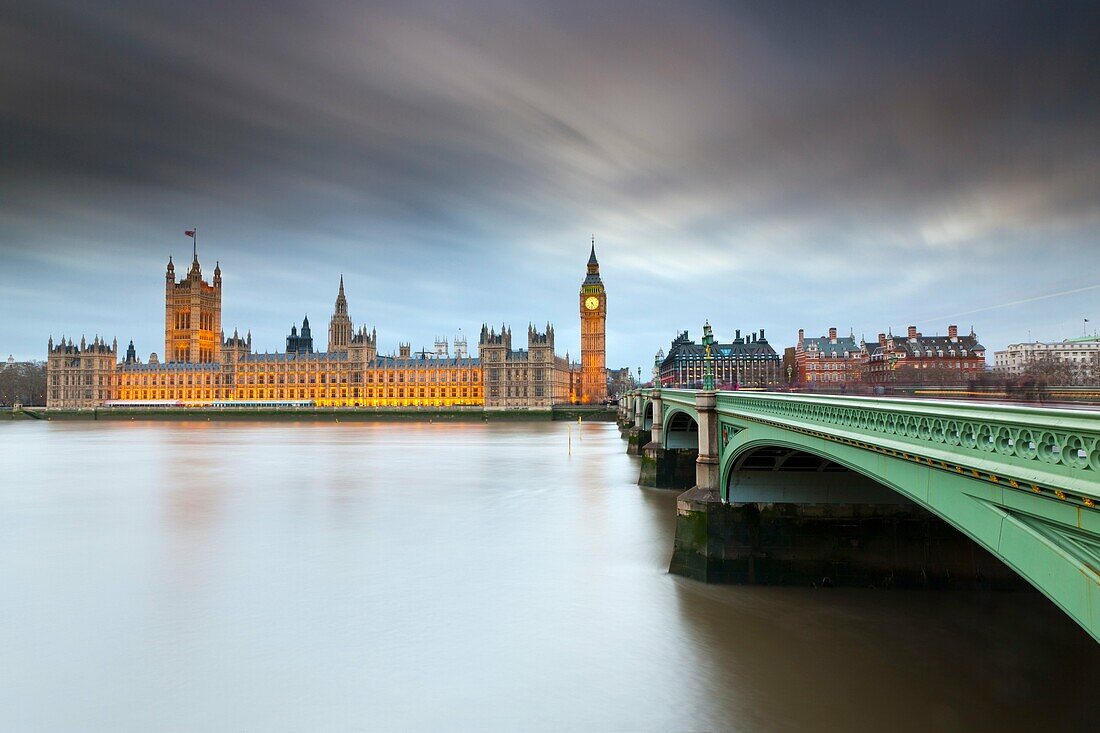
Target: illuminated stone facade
[
  {"x": 192, "y": 315},
  {"x": 80, "y": 375},
  {"x": 205, "y": 368},
  {"x": 534, "y": 377},
  {"x": 593, "y": 307}
]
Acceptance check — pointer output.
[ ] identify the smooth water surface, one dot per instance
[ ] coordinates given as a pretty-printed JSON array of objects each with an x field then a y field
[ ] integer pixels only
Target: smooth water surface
[{"x": 415, "y": 576}]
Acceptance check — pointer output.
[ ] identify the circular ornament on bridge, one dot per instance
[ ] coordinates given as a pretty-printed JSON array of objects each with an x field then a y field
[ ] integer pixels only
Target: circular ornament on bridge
[
  {"x": 1094, "y": 456},
  {"x": 1003, "y": 441},
  {"x": 1049, "y": 449},
  {"x": 1074, "y": 453},
  {"x": 936, "y": 431},
  {"x": 880, "y": 423},
  {"x": 924, "y": 431},
  {"x": 1027, "y": 447},
  {"x": 952, "y": 433},
  {"x": 912, "y": 427},
  {"x": 968, "y": 438},
  {"x": 985, "y": 438}
]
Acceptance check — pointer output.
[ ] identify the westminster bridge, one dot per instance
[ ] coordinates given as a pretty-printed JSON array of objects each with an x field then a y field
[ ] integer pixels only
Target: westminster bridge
[{"x": 787, "y": 488}]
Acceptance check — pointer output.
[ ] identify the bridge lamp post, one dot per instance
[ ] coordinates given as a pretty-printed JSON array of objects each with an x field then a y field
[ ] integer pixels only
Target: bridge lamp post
[{"x": 708, "y": 357}]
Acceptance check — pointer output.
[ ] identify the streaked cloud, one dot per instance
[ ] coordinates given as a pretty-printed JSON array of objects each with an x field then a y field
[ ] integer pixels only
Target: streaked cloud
[{"x": 758, "y": 164}]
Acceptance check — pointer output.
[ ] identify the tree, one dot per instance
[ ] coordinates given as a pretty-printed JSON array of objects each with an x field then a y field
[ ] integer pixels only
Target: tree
[
  {"x": 1049, "y": 371},
  {"x": 23, "y": 383}
]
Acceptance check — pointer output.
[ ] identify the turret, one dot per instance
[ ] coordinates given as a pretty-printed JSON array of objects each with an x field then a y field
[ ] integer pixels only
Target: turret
[
  {"x": 340, "y": 327},
  {"x": 593, "y": 263}
]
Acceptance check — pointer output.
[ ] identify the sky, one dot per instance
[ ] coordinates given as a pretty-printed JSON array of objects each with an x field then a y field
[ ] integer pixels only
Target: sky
[{"x": 763, "y": 165}]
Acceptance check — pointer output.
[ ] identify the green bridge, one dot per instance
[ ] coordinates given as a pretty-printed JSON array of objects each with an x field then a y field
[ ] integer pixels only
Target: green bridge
[{"x": 789, "y": 487}]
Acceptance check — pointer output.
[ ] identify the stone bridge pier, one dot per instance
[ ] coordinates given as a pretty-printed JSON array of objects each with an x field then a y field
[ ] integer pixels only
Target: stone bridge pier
[
  {"x": 669, "y": 461},
  {"x": 626, "y": 414},
  {"x": 637, "y": 435}
]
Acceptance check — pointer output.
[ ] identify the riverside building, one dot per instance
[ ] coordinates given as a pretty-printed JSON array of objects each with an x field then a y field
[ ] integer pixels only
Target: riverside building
[
  {"x": 919, "y": 359},
  {"x": 205, "y": 368},
  {"x": 748, "y": 361},
  {"x": 1078, "y": 353},
  {"x": 833, "y": 360}
]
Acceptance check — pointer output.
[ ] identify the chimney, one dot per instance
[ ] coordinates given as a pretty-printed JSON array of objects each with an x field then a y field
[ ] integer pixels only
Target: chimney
[
  {"x": 913, "y": 332},
  {"x": 801, "y": 335},
  {"x": 882, "y": 339},
  {"x": 738, "y": 336},
  {"x": 832, "y": 335},
  {"x": 953, "y": 332}
]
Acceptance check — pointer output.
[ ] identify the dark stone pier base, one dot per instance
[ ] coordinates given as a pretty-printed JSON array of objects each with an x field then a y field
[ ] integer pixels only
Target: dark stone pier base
[
  {"x": 667, "y": 468},
  {"x": 854, "y": 545},
  {"x": 636, "y": 439}
]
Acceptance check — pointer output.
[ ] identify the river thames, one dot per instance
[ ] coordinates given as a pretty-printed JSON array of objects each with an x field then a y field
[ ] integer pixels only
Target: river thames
[{"x": 175, "y": 576}]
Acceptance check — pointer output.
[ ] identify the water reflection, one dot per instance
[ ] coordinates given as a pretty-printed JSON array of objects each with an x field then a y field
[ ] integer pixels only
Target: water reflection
[{"x": 214, "y": 576}]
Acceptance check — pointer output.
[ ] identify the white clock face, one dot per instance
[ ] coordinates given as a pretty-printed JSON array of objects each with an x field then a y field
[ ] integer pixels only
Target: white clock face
[{"x": 592, "y": 303}]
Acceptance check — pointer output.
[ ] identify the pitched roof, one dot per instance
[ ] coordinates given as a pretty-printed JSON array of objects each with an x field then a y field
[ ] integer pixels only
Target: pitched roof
[{"x": 838, "y": 350}]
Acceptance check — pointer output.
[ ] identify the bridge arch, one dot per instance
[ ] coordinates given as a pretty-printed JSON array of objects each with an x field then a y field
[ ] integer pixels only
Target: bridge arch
[
  {"x": 680, "y": 430},
  {"x": 1055, "y": 559},
  {"x": 647, "y": 415},
  {"x": 750, "y": 454}
]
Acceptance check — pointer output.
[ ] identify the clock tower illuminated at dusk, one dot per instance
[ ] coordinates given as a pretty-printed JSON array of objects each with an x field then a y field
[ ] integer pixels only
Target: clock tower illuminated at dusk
[{"x": 593, "y": 300}]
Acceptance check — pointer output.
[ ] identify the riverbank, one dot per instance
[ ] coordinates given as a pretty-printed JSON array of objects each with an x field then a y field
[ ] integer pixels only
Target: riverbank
[{"x": 317, "y": 414}]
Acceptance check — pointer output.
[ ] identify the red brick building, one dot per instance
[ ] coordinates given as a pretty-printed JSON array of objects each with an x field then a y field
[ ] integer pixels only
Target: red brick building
[
  {"x": 919, "y": 359},
  {"x": 828, "y": 361}
]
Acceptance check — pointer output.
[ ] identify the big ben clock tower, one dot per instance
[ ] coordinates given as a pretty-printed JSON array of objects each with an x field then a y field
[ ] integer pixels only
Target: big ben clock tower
[{"x": 593, "y": 329}]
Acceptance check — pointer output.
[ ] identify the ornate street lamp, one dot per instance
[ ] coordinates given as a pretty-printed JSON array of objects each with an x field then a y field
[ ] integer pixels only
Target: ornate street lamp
[{"x": 708, "y": 357}]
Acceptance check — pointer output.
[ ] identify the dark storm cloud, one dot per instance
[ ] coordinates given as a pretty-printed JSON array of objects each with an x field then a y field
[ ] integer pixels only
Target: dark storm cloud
[{"x": 882, "y": 148}]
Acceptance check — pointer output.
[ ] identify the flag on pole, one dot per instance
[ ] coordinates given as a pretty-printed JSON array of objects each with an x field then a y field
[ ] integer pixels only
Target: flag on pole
[{"x": 189, "y": 232}]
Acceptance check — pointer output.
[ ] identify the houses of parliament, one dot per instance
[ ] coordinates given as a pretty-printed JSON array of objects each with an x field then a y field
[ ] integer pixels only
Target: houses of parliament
[{"x": 203, "y": 367}]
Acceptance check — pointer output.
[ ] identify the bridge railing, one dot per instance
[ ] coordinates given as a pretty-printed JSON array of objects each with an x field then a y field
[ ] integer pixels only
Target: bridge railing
[{"x": 1030, "y": 446}]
